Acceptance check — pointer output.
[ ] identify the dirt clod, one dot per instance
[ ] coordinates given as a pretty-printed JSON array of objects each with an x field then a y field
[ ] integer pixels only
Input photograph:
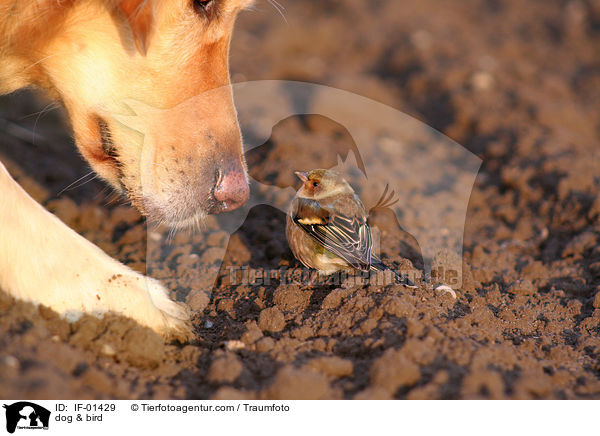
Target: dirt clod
[
  {"x": 393, "y": 370},
  {"x": 298, "y": 384},
  {"x": 522, "y": 287},
  {"x": 224, "y": 369},
  {"x": 271, "y": 320}
]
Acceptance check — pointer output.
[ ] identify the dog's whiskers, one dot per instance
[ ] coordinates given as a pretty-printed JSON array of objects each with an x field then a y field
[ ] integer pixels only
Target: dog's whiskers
[
  {"x": 74, "y": 184},
  {"x": 18, "y": 131},
  {"x": 171, "y": 235},
  {"x": 49, "y": 107},
  {"x": 42, "y": 60},
  {"x": 279, "y": 8}
]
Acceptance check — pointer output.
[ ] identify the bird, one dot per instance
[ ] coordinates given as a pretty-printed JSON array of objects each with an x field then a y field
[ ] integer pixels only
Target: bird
[{"x": 327, "y": 227}]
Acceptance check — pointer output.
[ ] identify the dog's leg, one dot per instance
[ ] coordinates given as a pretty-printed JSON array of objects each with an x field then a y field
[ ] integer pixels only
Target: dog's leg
[{"x": 44, "y": 261}]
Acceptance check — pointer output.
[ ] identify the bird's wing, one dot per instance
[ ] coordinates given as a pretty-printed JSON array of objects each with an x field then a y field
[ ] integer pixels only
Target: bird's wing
[{"x": 349, "y": 237}]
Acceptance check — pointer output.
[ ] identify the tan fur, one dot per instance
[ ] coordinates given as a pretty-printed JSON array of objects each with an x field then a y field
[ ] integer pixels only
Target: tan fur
[{"x": 152, "y": 73}]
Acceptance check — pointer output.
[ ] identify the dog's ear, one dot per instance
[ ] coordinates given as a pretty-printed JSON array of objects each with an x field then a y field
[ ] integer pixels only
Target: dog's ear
[{"x": 140, "y": 15}]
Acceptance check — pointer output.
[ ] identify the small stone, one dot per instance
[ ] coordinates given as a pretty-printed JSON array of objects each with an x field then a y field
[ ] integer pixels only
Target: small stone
[
  {"x": 154, "y": 236},
  {"x": 482, "y": 80},
  {"x": 107, "y": 350},
  {"x": 235, "y": 345},
  {"x": 11, "y": 361},
  {"x": 596, "y": 303}
]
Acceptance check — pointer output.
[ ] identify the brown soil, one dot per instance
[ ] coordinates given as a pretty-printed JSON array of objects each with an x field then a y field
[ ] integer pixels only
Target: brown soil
[{"x": 517, "y": 83}]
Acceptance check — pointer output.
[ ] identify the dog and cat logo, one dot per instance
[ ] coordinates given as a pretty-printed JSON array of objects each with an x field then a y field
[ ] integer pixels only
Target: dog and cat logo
[{"x": 26, "y": 415}]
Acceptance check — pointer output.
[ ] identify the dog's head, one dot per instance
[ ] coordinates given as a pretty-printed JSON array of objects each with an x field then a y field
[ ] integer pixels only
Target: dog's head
[{"x": 170, "y": 56}]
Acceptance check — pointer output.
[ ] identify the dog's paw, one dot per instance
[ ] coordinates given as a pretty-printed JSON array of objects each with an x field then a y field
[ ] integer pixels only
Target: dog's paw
[
  {"x": 80, "y": 278},
  {"x": 123, "y": 291},
  {"x": 176, "y": 316}
]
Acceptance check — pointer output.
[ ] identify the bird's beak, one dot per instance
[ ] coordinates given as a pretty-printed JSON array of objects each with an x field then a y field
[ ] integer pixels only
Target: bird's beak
[{"x": 302, "y": 176}]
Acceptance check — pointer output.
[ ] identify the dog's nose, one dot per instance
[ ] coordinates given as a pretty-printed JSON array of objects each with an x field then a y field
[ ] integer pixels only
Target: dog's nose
[{"x": 232, "y": 189}]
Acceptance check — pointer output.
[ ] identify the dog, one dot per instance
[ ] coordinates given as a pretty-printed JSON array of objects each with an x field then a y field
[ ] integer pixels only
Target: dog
[{"x": 95, "y": 56}]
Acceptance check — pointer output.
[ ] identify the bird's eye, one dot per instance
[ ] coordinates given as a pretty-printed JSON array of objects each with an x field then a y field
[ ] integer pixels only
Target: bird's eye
[
  {"x": 202, "y": 6},
  {"x": 315, "y": 184}
]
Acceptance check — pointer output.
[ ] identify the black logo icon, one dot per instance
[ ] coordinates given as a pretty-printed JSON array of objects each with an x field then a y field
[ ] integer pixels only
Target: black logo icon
[{"x": 26, "y": 415}]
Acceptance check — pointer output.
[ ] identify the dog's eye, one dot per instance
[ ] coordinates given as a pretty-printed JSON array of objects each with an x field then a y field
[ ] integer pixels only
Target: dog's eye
[{"x": 202, "y": 6}]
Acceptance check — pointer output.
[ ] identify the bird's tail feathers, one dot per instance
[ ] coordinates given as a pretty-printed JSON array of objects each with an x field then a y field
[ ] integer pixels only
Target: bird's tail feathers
[
  {"x": 378, "y": 265},
  {"x": 386, "y": 200}
]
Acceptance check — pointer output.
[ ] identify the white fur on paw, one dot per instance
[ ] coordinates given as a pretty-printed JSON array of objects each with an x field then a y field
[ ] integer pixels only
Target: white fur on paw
[
  {"x": 147, "y": 301},
  {"x": 159, "y": 296}
]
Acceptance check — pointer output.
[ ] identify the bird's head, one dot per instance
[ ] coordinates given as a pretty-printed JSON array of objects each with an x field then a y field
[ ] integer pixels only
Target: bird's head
[{"x": 320, "y": 183}]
